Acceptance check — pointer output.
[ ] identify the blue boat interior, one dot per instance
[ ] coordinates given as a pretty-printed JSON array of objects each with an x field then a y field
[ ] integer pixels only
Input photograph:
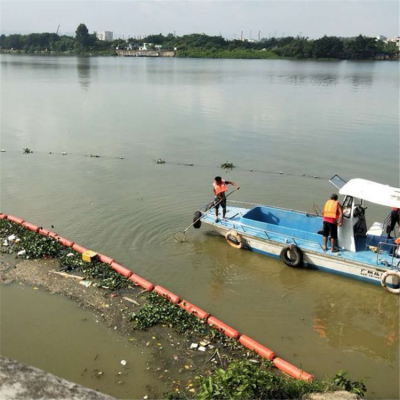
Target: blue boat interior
[{"x": 299, "y": 228}]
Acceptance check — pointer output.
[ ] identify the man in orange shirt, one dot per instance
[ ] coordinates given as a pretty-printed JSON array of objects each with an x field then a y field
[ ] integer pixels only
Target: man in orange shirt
[
  {"x": 332, "y": 218},
  {"x": 219, "y": 188}
]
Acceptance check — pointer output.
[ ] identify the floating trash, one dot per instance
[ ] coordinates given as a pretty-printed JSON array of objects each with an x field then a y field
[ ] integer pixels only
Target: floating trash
[
  {"x": 159, "y": 161},
  {"x": 123, "y": 362},
  {"x": 64, "y": 153}
]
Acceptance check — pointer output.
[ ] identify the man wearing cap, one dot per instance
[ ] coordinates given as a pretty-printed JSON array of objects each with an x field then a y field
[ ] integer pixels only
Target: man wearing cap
[
  {"x": 219, "y": 188},
  {"x": 332, "y": 218}
]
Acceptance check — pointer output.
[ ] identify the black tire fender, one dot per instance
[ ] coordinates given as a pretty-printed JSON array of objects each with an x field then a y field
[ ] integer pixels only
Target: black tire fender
[
  {"x": 292, "y": 256},
  {"x": 196, "y": 219}
]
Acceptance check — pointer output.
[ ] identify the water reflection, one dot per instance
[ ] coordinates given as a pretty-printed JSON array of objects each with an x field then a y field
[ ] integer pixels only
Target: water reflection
[
  {"x": 83, "y": 67},
  {"x": 361, "y": 321}
]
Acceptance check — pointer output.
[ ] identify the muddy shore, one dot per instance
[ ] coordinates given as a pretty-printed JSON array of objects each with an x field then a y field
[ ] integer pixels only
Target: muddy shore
[{"x": 177, "y": 368}]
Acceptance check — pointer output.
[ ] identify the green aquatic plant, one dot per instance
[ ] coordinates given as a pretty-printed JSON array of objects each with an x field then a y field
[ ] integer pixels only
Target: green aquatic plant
[
  {"x": 107, "y": 277},
  {"x": 357, "y": 387},
  {"x": 227, "y": 165}
]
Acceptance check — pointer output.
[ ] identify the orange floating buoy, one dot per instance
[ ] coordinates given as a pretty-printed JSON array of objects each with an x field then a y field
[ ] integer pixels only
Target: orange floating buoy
[
  {"x": 30, "y": 227},
  {"x": 105, "y": 259},
  {"x": 167, "y": 294},
  {"x": 79, "y": 249},
  {"x": 192, "y": 309},
  {"x": 52, "y": 235},
  {"x": 3, "y": 216},
  {"x": 225, "y": 329},
  {"x": 291, "y": 370},
  {"x": 44, "y": 232},
  {"x": 141, "y": 282},
  {"x": 120, "y": 269},
  {"x": 257, "y": 347},
  {"x": 65, "y": 242},
  {"x": 17, "y": 220}
]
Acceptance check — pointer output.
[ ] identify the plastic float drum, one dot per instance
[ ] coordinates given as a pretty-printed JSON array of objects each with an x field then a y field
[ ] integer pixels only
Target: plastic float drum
[
  {"x": 196, "y": 219},
  {"x": 292, "y": 256},
  {"x": 234, "y": 239},
  {"x": 385, "y": 276}
]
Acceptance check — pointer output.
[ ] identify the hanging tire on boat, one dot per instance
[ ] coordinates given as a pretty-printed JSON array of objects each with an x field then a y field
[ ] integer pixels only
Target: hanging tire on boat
[
  {"x": 292, "y": 256},
  {"x": 384, "y": 278},
  {"x": 234, "y": 239},
  {"x": 196, "y": 219}
]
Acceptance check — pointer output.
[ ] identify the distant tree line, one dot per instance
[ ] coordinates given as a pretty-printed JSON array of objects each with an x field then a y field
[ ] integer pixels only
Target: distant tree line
[{"x": 205, "y": 46}]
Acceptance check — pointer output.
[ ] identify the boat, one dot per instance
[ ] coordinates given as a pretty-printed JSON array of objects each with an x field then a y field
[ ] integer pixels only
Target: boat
[{"x": 294, "y": 236}]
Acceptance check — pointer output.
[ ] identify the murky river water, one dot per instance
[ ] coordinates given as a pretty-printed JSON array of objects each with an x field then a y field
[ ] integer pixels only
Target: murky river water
[{"x": 313, "y": 118}]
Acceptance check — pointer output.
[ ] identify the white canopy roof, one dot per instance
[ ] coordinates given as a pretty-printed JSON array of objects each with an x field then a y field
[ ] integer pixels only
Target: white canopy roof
[{"x": 384, "y": 195}]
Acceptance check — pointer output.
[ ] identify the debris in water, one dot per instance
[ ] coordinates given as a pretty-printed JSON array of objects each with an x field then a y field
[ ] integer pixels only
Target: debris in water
[
  {"x": 64, "y": 153},
  {"x": 227, "y": 165},
  {"x": 3, "y": 150},
  {"x": 21, "y": 253},
  {"x": 123, "y": 362},
  {"x": 27, "y": 150},
  {"x": 11, "y": 238},
  {"x": 159, "y": 161},
  {"x": 201, "y": 348},
  {"x": 194, "y": 346},
  {"x": 86, "y": 283}
]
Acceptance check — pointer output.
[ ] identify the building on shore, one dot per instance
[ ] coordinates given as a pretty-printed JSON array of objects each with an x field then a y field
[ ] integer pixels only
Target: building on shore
[{"x": 104, "y": 35}]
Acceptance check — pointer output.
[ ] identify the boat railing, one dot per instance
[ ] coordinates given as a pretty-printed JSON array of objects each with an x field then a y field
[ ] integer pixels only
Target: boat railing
[
  {"x": 268, "y": 234},
  {"x": 394, "y": 250}
]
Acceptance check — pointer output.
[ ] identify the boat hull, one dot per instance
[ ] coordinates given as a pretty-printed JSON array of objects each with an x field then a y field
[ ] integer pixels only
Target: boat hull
[{"x": 325, "y": 262}]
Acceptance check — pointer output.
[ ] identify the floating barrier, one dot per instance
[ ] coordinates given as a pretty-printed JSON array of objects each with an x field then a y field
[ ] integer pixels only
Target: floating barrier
[
  {"x": 167, "y": 294},
  {"x": 261, "y": 350},
  {"x": 79, "y": 248},
  {"x": 120, "y": 269},
  {"x": 31, "y": 227},
  {"x": 44, "y": 232},
  {"x": 244, "y": 340},
  {"x": 65, "y": 242},
  {"x": 192, "y": 309},
  {"x": 105, "y": 259},
  {"x": 225, "y": 329},
  {"x": 291, "y": 370},
  {"x": 141, "y": 282},
  {"x": 15, "y": 219}
]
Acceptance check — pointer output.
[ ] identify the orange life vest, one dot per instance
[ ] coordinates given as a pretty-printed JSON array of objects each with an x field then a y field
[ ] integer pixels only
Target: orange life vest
[
  {"x": 219, "y": 188},
  {"x": 330, "y": 209},
  {"x": 397, "y": 241}
]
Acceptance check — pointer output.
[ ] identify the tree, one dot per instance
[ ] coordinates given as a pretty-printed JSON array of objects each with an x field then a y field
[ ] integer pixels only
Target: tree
[{"x": 83, "y": 37}]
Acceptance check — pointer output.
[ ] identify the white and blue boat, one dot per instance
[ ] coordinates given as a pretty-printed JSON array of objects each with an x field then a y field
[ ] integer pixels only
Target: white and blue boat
[{"x": 364, "y": 254}]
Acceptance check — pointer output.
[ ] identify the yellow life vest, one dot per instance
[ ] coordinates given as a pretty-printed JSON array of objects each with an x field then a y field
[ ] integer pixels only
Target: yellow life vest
[{"x": 330, "y": 209}]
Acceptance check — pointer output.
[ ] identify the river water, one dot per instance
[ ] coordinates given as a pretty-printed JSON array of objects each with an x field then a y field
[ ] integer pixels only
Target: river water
[{"x": 285, "y": 120}]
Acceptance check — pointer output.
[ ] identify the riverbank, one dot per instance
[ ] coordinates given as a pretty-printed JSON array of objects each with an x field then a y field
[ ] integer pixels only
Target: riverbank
[{"x": 194, "y": 53}]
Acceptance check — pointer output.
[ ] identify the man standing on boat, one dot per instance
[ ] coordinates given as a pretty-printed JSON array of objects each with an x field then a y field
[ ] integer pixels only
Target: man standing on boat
[
  {"x": 219, "y": 188},
  {"x": 394, "y": 219},
  {"x": 332, "y": 218}
]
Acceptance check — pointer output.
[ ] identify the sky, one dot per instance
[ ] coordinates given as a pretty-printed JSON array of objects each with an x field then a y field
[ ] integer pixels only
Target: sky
[{"x": 130, "y": 18}]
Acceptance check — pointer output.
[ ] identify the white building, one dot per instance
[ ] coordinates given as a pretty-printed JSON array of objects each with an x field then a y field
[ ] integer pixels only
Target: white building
[
  {"x": 105, "y": 35},
  {"x": 381, "y": 38},
  {"x": 395, "y": 39}
]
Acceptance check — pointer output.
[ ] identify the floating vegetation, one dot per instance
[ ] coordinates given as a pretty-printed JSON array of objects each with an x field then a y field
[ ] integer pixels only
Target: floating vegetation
[
  {"x": 107, "y": 277},
  {"x": 35, "y": 245},
  {"x": 159, "y": 310},
  {"x": 94, "y": 155},
  {"x": 227, "y": 165},
  {"x": 27, "y": 151}
]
